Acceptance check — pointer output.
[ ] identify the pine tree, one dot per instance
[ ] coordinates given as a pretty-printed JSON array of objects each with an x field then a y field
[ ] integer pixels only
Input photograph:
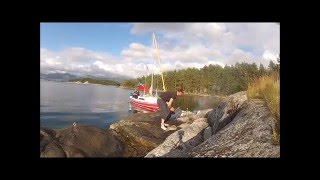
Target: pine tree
[{"x": 262, "y": 70}]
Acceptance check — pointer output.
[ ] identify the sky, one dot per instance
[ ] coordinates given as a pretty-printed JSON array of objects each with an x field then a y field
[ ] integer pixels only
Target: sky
[{"x": 126, "y": 49}]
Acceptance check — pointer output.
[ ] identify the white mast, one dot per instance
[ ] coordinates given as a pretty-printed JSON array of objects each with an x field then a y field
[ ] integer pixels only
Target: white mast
[
  {"x": 151, "y": 86},
  {"x": 155, "y": 42},
  {"x": 145, "y": 83}
]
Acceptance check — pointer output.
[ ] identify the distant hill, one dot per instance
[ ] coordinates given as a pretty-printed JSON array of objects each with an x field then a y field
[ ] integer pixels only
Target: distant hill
[
  {"x": 68, "y": 76},
  {"x": 42, "y": 76},
  {"x": 58, "y": 76}
]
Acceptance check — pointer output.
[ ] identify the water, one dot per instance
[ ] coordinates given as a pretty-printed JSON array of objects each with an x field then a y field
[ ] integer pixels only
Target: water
[
  {"x": 63, "y": 103},
  {"x": 195, "y": 103}
]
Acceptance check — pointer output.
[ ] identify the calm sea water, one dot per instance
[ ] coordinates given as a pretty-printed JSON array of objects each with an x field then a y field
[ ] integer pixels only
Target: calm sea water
[{"x": 62, "y": 104}]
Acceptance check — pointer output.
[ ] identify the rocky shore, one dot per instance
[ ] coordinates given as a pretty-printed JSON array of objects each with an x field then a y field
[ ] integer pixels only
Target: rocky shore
[{"x": 236, "y": 128}]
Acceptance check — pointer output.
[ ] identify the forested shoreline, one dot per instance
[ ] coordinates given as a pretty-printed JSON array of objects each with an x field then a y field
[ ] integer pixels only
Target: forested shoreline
[{"x": 209, "y": 80}]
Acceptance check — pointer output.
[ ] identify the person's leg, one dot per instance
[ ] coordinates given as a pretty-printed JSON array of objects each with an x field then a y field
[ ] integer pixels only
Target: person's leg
[
  {"x": 162, "y": 125},
  {"x": 176, "y": 114},
  {"x": 167, "y": 118},
  {"x": 163, "y": 113},
  {"x": 167, "y": 113}
]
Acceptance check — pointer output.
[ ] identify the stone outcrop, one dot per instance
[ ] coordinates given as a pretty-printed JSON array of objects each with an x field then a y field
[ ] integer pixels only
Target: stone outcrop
[
  {"x": 248, "y": 135},
  {"x": 226, "y": 111},
  {"x": 180, "y": 141},
  {"x": 80, "y": 141},
  {"x": 141, "y": 132},
  {"x": 237, "y": 128}
]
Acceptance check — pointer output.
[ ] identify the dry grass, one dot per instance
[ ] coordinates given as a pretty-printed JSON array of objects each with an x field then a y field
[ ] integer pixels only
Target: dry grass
[{"x": 268, "y": 88}]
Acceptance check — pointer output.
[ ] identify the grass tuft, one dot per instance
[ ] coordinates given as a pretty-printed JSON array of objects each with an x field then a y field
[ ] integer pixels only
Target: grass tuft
[{"x": 268, "y": 88}]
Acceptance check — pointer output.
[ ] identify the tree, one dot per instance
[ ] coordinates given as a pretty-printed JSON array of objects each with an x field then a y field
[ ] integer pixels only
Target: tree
[
  {"x": 262, "y": 70},
  {"x": 278, "y": 65},
  {"x": 272, "y": 66}
]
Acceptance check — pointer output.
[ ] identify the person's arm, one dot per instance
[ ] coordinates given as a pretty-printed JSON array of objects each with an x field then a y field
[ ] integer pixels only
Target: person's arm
[
  {"x": 172, "y": 109},
  {"x": 170, "y": 103}
]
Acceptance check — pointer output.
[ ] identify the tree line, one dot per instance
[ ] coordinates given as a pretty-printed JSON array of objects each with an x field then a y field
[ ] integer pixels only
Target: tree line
[{"x": 211, "y": 79}]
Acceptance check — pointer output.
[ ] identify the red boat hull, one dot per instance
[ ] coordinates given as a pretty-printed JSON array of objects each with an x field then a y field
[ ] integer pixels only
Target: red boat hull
[{"x": 151, "y": 107}]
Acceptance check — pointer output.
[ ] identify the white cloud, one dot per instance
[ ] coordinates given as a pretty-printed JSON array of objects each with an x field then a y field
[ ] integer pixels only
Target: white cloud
[
  {"x": 138, "y": 52},
  {"x": 99, "y": 65},
  {"x": 269, "y": 55},
  {"x": 76, "y": 60},
  {"x": 216, "y": 43},
  {"x": 181, "y": 45},
  {"x": 258, "y": 36},
  {"x": 239, "y": 55},
  {"x": 224, "y": 38},
  {"x": 139, "y": 28}
]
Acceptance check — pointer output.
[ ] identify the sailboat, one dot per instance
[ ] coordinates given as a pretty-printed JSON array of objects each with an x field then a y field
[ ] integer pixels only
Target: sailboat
[{"x": 148, "y": 102}]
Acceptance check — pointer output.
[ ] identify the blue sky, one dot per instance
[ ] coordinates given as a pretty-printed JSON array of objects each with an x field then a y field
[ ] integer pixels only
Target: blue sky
[
  {"x": 111, "y": 49},
  {"x": 108, "y": 37}
]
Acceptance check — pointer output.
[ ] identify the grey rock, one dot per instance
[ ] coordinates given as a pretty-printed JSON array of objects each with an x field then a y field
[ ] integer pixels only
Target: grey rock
[
  {"x": 179, "y": 142},
  {"x": 72, "y": 151},
  {"x": 203, "y": 113},
  {"x": 207, "y": 133},
  {"x": 172, "y": 128},
  {"x": 226, "y": 111},
  {"x": 53, "y": 150},
  {"x": 142, "y": 132},
  {"x": 82, "y": 141},
  {"x": 248, "y": 135},
  {"x": 200, "y": 120},
  {"x": 184, "y": 120},
  {"x": 183, "y": 125},
  {"x": 46, "y": 137},
  {"x": 90, "y": 142}
]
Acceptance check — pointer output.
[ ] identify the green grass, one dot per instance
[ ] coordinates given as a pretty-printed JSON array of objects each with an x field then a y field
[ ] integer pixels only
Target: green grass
[{"x": 268, "y": 88}]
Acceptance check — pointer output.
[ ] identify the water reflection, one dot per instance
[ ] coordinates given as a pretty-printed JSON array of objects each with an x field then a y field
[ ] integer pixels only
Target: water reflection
[{"x": 195, "y": 103}]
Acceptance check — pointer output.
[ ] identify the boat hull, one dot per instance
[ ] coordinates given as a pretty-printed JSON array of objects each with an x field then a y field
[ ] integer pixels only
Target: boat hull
[{"x": 148, "y": 104}]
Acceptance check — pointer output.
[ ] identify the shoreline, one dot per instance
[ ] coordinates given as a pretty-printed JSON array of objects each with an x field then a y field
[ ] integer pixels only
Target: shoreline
[
  {"x": 129, "y": 88},
  {"x": 188, "y": 94},
  {"x": 91, "y": 84},
  {"x": 206, "y": 95}
]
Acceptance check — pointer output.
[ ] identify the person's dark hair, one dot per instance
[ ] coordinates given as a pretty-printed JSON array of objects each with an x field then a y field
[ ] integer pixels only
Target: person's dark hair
[{"x": 180, "y": 90}]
